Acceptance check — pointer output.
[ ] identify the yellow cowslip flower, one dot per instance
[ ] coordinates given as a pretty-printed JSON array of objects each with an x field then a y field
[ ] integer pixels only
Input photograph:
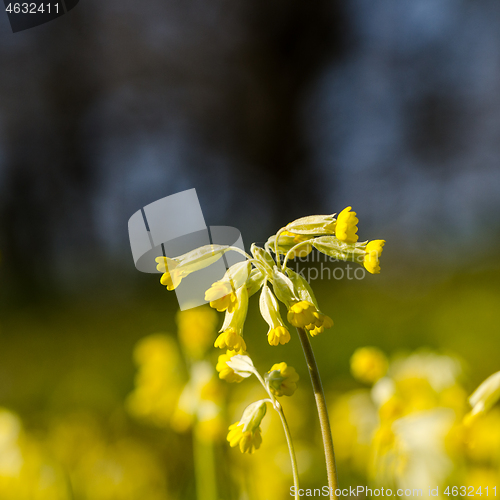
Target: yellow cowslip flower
[
  {"x": 302, "y": 315},
  {"x": 346, "y": 227},
  {"x": 231, "y": 333},
  {"x": 196, "y": 328},
  {"x": 172, "y": 273},
  {"x": 326, "y": 322},
  {"x": 282, "y": 379},
  {"x": 269, "y": 308},
  {"x": 174, "y": 269},
  {"x": 221, "y": 296},
  {"x": 278, "y": 335},
  {"x": 246, "y": 432},
  {"x": 368, "y": 364},
  {"x": 484, "y": 397},
  {"x": 248, "y": 441},
  {"x": 373, "y": 251},
  {"x": 226, "y": 372},
  {"x": 230, "y": 339}
]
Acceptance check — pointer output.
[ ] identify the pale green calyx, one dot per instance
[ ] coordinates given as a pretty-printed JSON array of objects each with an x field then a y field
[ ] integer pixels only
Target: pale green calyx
[
  {"x": 333, "y": 247},
  {"x": 283, "y": 288},
  {"x": 269, "y": 308},
  {"x": 253, "y": 415},
  {"x": 313, "y": 224},
  {"x": 242, "y": 365}
]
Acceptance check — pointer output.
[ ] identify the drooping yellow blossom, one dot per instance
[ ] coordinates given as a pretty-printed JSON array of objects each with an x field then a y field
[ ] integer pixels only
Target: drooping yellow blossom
[
  {"x": 221, "y": 296},
  {"x": 248, "y": 441},
  {"x": 246, "y": 432},
  {"x": 230, "y": 339},
  {"x": 225, "y": 372},
  {"x": 373, "y": 251},
  {"x": 346, "y": 227},
  {"x": 368, "y": 364},
  {"x": 172, "y": 273},
  {"x": 231, "y": 333},
  {"x": 278, "y": 335},
  {"x": 269, "y": 308},
  {"x": 302, "y": 315},
  {"x": 282, "y": 379},
  {"x": 196, "y": 329},
  {"x": 174, "y": 269},
  {"x": 484, "y": 397},
  {"x": 326, "y": 322}
]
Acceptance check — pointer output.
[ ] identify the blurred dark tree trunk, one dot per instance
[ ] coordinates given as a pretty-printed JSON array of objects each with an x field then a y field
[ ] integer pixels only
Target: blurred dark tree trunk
[
  {"x": 291, "y": 42},
  {"x": 47, "y": 182}
]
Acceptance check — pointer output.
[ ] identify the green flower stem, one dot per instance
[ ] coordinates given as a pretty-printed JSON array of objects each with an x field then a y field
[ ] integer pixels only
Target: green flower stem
[
  {"x": 287, "y": 256},
  {"x": 276, "y": 245},
  {"x": 291, "y": 450},
  {"x": 204, "y": 468},
  {"x": 319, "y": 395}
]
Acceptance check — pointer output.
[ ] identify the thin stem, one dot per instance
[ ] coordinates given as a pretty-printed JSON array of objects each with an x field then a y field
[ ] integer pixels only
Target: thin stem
[
  {"x": 242, "y": 252},
  {"x": 319, "y": 395},
  {"x": 261, "y": 268},
  {"x": 291, "y": 450},
  {"x": 276, "y": 241},
  {"x": 287, "y": 256}
]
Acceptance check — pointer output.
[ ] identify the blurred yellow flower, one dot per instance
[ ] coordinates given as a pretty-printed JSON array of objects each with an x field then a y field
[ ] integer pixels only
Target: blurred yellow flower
[
  {"x": 346, "y": 227},
  {"x": 159, "y": 379},
  {"x": 201, "y": 400},
  {"x": 196, "y": 328},
  {"x": 368, "y": 364},
  {"x": 485, "y": 396},
  {"x": 373, "y": 251},
  {"x": 282, "y": 379}
]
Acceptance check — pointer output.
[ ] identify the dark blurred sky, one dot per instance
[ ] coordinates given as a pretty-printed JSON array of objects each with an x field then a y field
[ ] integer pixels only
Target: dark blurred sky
[{"x": 271, "y": 110}]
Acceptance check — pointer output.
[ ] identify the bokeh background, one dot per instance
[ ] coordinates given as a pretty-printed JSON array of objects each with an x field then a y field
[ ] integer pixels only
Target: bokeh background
[{"x": 272, "y": 111}]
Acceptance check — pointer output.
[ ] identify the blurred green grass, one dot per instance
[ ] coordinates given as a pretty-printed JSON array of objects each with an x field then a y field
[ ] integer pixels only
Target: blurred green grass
[{"x": 76, "y": 353}]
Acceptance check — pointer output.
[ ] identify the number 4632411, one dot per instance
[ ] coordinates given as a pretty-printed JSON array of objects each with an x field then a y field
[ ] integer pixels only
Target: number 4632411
[
  {"x": 32, "y": 8},
  {"x": 471, "y": 491}
]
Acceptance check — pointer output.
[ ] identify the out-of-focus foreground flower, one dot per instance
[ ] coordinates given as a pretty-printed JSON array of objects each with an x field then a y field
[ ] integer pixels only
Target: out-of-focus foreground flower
[
  {"x": 407, "y": 430},
  {"x": 175, "y": 390}
]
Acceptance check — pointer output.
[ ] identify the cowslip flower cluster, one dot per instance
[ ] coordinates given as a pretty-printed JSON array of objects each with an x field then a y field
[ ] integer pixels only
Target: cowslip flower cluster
[{"x": 266, "y": 269}]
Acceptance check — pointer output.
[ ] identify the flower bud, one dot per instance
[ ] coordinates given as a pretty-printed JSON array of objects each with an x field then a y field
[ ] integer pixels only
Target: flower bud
[{"x": 282, "y": 379}]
